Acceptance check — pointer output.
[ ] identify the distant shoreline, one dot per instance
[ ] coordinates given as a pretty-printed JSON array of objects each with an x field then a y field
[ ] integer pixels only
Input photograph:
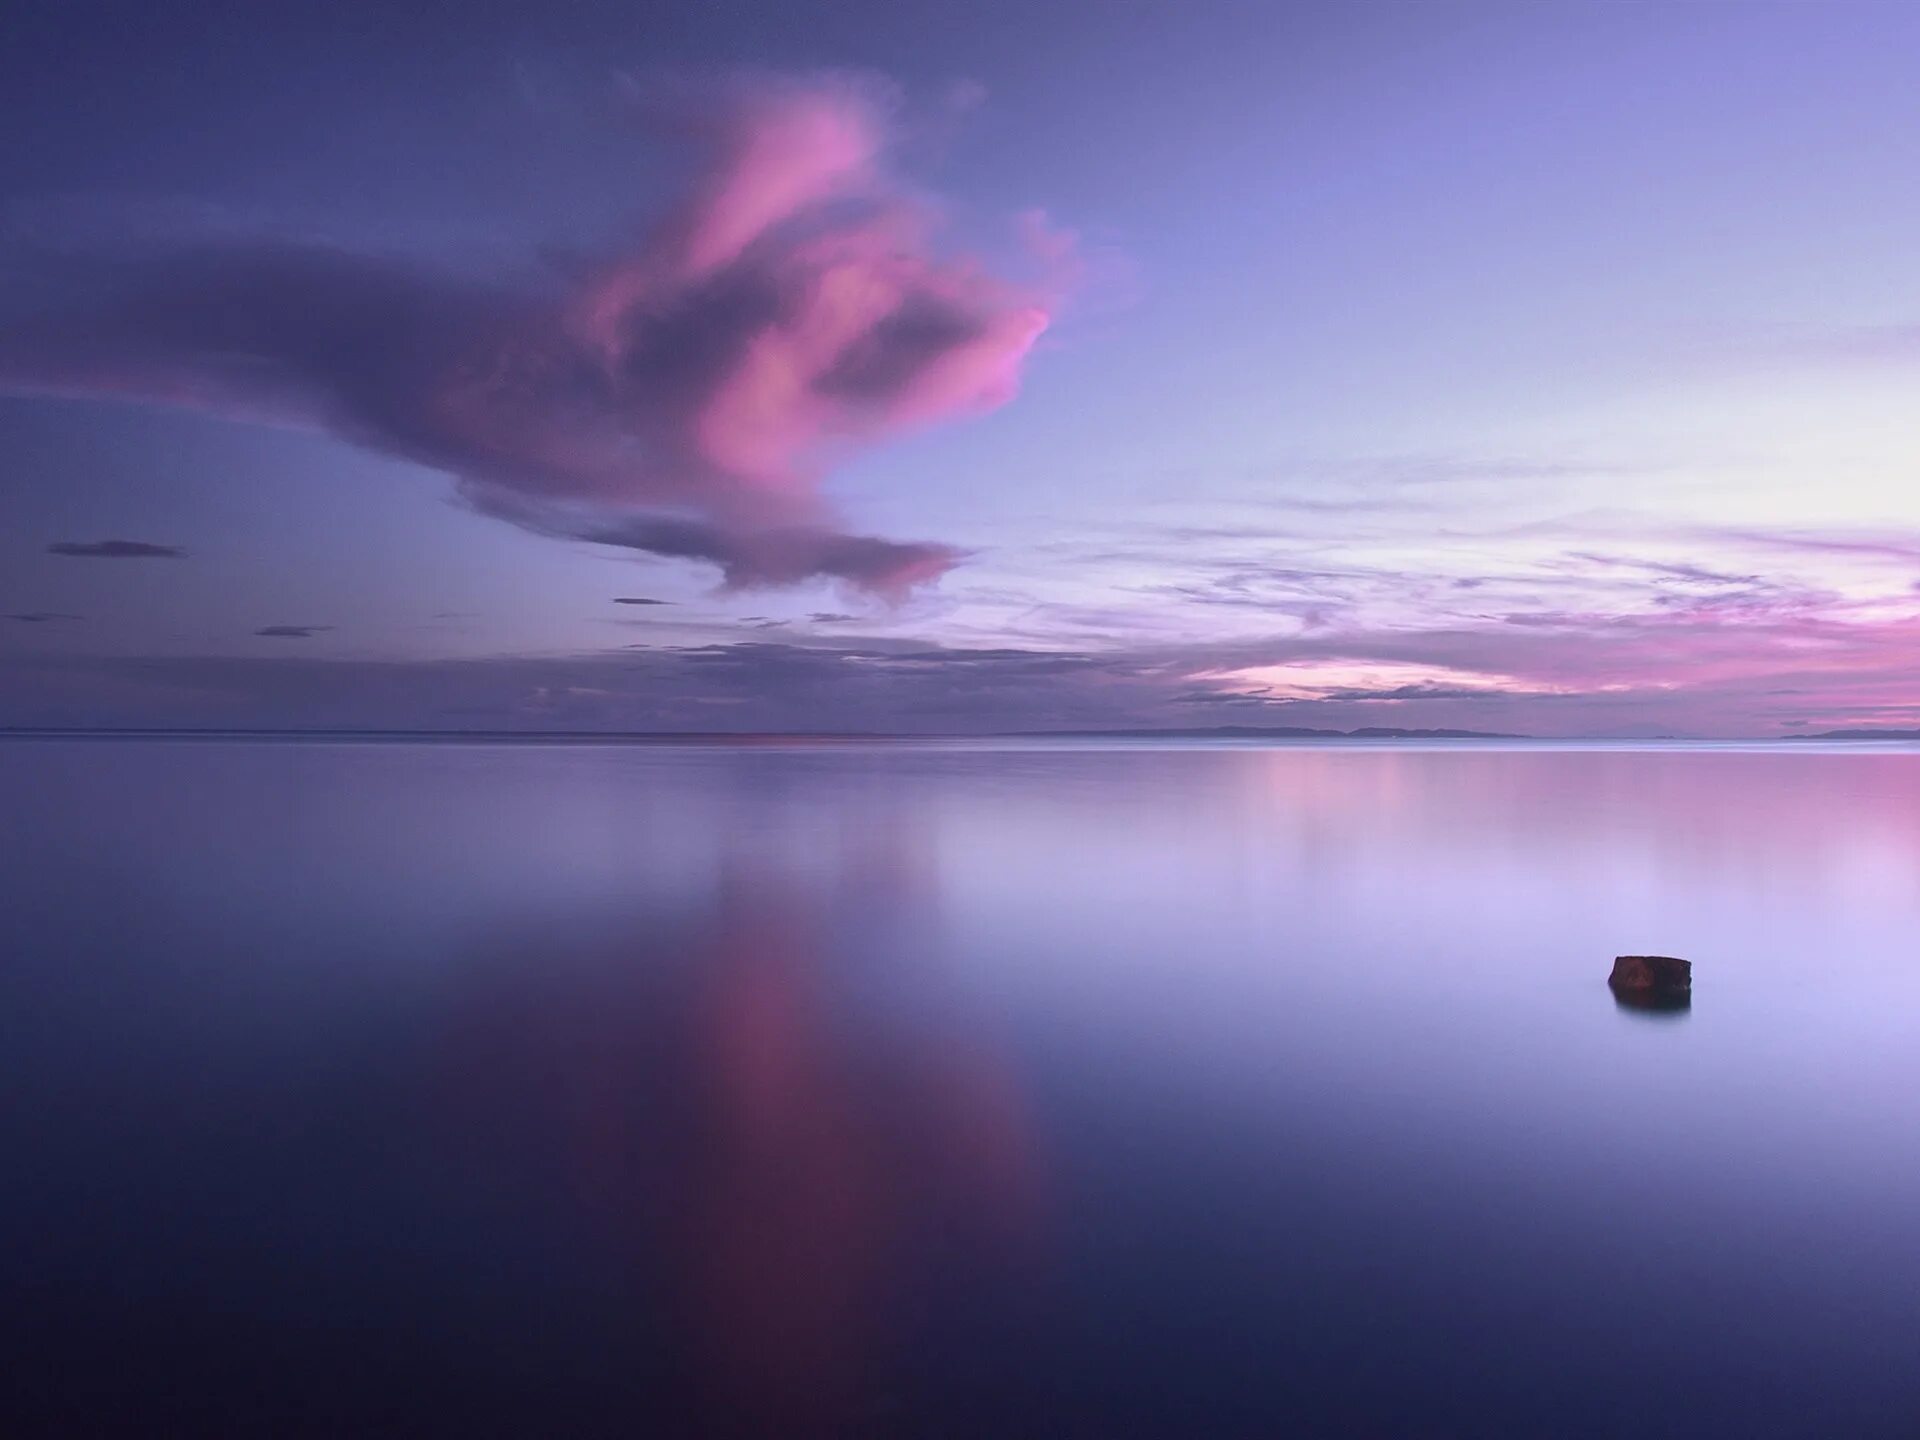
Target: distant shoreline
[{"x": 1282, "y": 734}]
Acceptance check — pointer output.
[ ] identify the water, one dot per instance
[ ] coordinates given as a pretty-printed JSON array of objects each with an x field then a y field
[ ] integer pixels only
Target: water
[{"x": 956, "y": 1090}]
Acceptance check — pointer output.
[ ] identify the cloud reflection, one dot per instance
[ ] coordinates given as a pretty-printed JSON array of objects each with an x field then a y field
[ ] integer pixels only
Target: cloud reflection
[{"x": 697, "y": 1091}]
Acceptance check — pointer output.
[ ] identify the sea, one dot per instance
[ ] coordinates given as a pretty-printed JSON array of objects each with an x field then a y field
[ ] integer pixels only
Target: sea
[{"x": 364, "y": 1086}]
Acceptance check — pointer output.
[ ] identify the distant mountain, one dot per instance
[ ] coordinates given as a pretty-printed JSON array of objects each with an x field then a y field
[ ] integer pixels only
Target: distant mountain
[
  {"x": 1276, "y": 732},
  {"x": 1858, "y": 735}
]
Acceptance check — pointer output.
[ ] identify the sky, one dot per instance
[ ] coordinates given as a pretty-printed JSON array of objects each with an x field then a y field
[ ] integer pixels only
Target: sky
[{"x": 1532, "y": 367}]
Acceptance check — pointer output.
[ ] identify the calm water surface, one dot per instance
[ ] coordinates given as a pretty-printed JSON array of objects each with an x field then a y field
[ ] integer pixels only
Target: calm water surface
[{"x": 956, "y": 1091}]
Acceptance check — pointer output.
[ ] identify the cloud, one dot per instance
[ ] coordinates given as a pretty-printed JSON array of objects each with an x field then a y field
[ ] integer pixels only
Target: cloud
[
  {"x": 859, "y": 685},
  {"x": 638, "y": 600},
  {"x": 1901, "y": 547},
  {"x": 40, "y": 617},
  {"x": 1362, "y": 695},
  {"x": 292, "y": 632},
  {"x": 1582, "y": 673},
  {"x": 115, "y": 550},
  {"x": 684, "y": 395},
  {"x": 889, "y": 568}
]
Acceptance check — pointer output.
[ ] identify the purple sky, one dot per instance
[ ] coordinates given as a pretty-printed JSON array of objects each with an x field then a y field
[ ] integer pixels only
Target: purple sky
[{"x": 1532, "y": 367}]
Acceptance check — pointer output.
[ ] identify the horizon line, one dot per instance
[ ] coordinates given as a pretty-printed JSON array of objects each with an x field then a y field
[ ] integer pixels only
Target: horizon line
[{"x": 1224, "y": 732}]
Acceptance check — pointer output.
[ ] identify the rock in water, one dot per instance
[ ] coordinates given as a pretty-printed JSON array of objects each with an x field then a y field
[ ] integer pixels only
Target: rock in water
[{"x": 1653, "y": 977}]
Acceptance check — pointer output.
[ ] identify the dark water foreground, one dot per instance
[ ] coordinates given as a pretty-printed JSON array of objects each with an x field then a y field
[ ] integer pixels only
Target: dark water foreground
[{"x": 438, "y": 1089}]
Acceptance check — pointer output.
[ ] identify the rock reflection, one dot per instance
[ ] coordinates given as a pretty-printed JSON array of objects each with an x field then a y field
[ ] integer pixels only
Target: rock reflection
[
  {"x": 1653, "y": 1003},
  {"x": 779, "y": 1165}
]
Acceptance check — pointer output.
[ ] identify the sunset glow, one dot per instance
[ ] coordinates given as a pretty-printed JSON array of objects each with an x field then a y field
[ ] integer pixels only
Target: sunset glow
[{"x": 929, "y": 400}]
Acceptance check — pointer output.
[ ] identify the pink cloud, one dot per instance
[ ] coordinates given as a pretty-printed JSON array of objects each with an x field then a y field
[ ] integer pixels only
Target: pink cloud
[
  {"x": 694, "y": 387},
  {"x": 1716, "y": 664}
]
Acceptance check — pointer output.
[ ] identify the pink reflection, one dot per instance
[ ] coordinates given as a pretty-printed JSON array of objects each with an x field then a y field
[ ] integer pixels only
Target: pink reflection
[{"x": 703, "y": 1094}]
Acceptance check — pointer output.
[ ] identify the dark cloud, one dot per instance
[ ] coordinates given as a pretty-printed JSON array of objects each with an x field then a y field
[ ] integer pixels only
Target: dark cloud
[
  {"x": 115, "y": 550},
  {"x": 638, "y": 600},
  {"x": 682, "y": 396},
  {"x": 1360, "y": 694},
  {"x": 1216, "y": 698},
  {"x": 38, "y": 617},
  {"x": 292, "y": 632},
  {"x": 781, "y": 556},
  {"x": 756, "y": 685}
]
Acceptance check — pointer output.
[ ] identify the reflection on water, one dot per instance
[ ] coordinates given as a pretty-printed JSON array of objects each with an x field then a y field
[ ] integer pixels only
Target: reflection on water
[
  {"x": 698, "y": 1094},
  {"x": 946, "y": 1090},
  {"x": 1654, "y": 1002}
]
